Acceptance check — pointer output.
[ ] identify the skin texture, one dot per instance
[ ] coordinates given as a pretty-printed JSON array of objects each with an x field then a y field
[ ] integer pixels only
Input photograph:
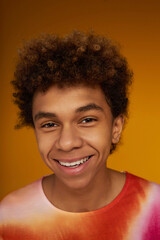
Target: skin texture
[{"x": 70, "y": 124}]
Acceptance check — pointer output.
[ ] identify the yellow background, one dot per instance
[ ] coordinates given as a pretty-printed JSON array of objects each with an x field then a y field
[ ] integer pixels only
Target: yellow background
[{"x": 133, "y": 23}]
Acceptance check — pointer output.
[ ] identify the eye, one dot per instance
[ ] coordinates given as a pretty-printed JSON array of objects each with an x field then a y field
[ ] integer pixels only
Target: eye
[
  {"x": 88, "y": 120},
  {"x": 49, "y": 125}
]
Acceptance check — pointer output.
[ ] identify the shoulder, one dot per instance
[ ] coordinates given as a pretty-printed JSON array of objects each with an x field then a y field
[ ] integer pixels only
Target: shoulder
[
  {"x": 22, "y": 194},
  {"x": 142, "y": 185},
  {"x": 147, "y": 191},
  {"x": 21, "y": 199},
  {"x": 133, "y": 179},
  {"x": 147, "y": 217}
]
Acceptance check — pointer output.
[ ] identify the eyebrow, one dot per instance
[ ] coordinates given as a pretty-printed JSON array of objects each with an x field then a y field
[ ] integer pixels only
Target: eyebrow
[
  {"x": 40, "y": 115},
  {"x": 88, "y": 107}
]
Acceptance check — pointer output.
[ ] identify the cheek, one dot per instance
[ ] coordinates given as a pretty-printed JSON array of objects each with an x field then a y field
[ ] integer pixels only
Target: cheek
[
  {"x": 105, "y": 141},
  {"x": 100, "y": 138},
  {"x": 45, "y": 144}
]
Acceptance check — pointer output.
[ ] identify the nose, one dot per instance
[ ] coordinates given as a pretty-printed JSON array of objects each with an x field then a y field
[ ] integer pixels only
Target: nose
[{"x": 69, "y": 139}]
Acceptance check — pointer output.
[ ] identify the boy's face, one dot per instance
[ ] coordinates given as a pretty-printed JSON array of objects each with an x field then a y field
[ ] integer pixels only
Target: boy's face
[{"x": 74, "y": 128}]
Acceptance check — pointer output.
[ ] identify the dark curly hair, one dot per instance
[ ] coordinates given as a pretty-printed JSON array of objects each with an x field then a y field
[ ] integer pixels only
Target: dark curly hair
[{"x": 77, "y": 58}]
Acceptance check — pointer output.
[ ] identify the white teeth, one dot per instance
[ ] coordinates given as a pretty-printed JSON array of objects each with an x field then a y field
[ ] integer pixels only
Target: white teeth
[{"x": 73, "y": 164}]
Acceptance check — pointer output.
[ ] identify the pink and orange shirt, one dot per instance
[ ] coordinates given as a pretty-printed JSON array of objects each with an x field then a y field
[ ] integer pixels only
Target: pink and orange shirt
[{"x": 134, "y": 214}]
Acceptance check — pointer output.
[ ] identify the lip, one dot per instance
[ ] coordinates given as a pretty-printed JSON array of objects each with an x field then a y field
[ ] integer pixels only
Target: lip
[
  {"x": 76, "y": 170},
  {"x": 69, "y": 160}
]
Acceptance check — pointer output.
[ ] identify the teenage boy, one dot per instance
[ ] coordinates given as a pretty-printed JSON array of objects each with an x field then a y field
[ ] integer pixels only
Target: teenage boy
[{"x": 73, "y": 91}]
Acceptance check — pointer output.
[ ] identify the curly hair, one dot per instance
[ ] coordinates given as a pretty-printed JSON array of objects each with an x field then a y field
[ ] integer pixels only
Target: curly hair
[{"x": 77, "y": 58}]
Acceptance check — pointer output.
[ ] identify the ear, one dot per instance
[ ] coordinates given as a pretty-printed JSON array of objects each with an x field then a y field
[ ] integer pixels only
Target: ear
[{"x": 117, "y": 128}]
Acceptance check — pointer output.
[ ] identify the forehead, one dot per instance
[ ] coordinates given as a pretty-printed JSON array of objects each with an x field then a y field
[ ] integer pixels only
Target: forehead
[{"x": 68, "y": 98}]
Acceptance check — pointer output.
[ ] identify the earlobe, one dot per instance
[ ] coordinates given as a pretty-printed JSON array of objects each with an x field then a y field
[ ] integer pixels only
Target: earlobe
[{"x": 117, "y": 128}]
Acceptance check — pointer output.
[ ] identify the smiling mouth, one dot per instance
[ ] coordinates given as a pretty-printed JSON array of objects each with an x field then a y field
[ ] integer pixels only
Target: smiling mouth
[{"x": 74, "y": 164}]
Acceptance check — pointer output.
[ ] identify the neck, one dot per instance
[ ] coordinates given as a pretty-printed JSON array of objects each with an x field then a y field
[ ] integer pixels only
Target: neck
[
  {"x": 89, "y": 198},
  {"x": 94, "y": 196}
]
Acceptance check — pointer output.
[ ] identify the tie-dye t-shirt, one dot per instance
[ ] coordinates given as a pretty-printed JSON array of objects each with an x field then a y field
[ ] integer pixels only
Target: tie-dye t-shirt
[{"x": 134, "y": 214}]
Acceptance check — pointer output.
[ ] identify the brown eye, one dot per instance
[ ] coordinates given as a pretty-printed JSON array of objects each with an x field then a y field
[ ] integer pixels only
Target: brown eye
[
  {"x": 49, "y": 125},
  {"x": 88, "y": 120}
]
